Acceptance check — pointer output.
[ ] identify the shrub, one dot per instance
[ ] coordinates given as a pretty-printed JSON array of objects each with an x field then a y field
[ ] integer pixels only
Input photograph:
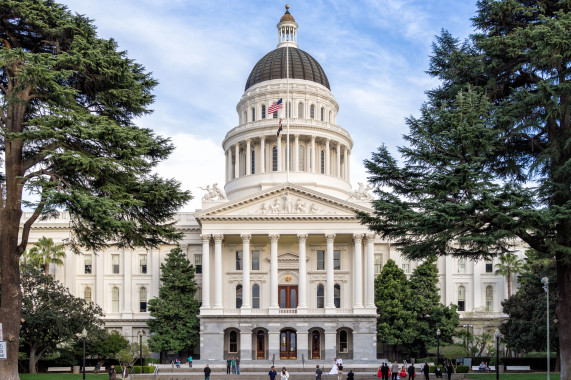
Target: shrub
[
  {"x": 462, "y": 369},
  {"x": 146, "y": 369}
]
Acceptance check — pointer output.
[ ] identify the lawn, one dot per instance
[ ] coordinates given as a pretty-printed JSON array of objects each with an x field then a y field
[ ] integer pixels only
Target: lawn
[
  {"x": 512, "y": 376},
  {"x": 64, "y": 376}
]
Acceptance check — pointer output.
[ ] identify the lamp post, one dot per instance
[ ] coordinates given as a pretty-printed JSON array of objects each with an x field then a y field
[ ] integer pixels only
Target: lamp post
[
  {"x": 467, "y": 336},
  {"x": 84, "y": 336},
  {"x": 437, "y": 347},
  {"x": 497, "y": 334},
  {"x": 545, "y": 282},
  {"x": 141, "y": 350}
]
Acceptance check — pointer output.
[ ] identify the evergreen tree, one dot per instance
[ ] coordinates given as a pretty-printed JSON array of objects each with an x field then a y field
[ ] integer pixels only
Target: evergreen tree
[
  {"x": 430, "y": 313},
  {"x": 396, "y": 323},
  {"x": 488, "y": 158},
  {"x": 67, "y": 136},
  {"x": 175, "y": 326}
]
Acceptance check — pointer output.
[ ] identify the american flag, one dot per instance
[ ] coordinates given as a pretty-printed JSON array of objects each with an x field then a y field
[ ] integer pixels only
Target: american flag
[{"x": 276, "y": 106}]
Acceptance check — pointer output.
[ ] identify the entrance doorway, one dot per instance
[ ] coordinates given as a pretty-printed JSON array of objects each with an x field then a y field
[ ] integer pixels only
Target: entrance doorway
[
  {"x": 288, "y": 296},
  {"x": 315, "y": 346},
  {"x": 288, "y": 344},
  {"x": 260, "y": 345}
]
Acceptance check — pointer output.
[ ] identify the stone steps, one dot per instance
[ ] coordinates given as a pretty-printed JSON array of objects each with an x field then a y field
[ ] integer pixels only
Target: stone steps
[{"x": 262, "y": 376}]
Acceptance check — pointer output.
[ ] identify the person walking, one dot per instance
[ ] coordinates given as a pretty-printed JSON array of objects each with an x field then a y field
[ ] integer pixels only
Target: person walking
[
  {"x": 112, "y": 373},
  {"x": 125, "y": 372},
  {"x": 339, "y": 363},
  {"x": 272, "y": 374},
  {"x": 426, "y": 370},
  {"x": 385, "y": 371},
  {"x": 237, "y": 365},
  {"x": 411, "y": 373},
  {"x": 190, "y": 362},
  {"x": 449, "y": 370},
  {"x": 207, "y": 371},
  {"x": 318, "y": 373},
  {"x": 395, "y": 371},
  {"x": 228, "y": 365}
]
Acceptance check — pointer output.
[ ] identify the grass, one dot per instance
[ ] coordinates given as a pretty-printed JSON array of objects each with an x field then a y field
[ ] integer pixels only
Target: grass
[
  {"x": 65, "y": 376},
  {"x": 512, "y": 376}
]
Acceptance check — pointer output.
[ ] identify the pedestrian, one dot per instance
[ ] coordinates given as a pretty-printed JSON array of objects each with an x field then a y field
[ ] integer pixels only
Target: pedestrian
[
  {"x": 385, "y": 371},
  {"x": 237, "y": 365},
  {"x": 112, "y": 373},
  {"x": 402, "y": 373},
  {"x": 449, "y": 370},
  {"x": 395, "y": 370},
  {"x": 124, "y": 372},
  {"x": 380, "y": 371},
  {"x": 318, "y": 373},
  {"x": 334, "y": 370},
  {"x": 190, "y": 362},
  {"x": 438, "y": 372},
  {"x": 207, "y": 371},
  {"x": 233, "y": 362},
  {"x": 228, "y": 365},
  {"x": 284, "y": 374},
  {"x": 411, "y": 373},
  {"x": 177, "y": 363},
  {"x": 350, "y": 375},
  {"x": 272, "y": 374},
  {"x": 426, "y": 370},
  {"x": 339, "y": 363}
]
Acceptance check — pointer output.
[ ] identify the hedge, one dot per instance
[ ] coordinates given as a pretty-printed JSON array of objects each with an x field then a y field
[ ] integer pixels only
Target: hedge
[
  {"x": 146, "y": 369},
  {"x": 462, "y": 369}
]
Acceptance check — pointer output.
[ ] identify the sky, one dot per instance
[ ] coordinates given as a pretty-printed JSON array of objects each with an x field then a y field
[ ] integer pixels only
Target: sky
[{"x": 374, "y": 53}]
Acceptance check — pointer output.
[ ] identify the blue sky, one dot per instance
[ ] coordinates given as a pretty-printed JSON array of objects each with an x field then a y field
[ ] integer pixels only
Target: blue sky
[{"x": 375, "y": 54}]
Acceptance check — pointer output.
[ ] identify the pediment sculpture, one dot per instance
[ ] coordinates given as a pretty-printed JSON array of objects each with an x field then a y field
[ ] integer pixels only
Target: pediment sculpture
[{"x": 213, "y": 193}]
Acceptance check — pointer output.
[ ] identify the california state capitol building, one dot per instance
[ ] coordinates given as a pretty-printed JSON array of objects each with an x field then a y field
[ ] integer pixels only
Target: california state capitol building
[{"x": 283, "y": 266}]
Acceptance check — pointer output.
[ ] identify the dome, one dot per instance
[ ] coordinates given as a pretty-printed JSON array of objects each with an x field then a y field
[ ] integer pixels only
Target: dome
[
  {"x": 273, "y": 66},
  {"x": 287, "y": 16}
]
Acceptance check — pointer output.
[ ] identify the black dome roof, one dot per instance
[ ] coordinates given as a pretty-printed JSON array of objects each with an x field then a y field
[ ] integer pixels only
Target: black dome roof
[{"x": 273, "y": 66}]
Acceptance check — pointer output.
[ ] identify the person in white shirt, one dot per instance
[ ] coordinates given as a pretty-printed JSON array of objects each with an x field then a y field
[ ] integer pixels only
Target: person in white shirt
[{"x": 339, "y": 363}]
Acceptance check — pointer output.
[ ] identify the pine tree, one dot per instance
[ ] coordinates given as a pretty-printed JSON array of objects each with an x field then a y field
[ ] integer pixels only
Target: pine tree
[{"x": 175, "y": 326}]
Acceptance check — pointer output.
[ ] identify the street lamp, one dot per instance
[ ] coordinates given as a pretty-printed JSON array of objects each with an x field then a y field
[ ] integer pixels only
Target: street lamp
[
  {"x": 141, "y": 350},
  {"x": 437, "y": 347},
  {"x": 84, "y": 336},
  {"x": 545, "y": 282},
  {"x": 467, "y": 336},
  {"x": 497, "y": 334}
]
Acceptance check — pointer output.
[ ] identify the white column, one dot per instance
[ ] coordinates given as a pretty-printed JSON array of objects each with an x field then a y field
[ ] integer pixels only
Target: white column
[
  {"x": 127, "y": 295},
  {"x": 327, "y": 158},
  {"x": 357, "y": 271},
  {"x": 99, "y": 272},
  {"x": 274, "y": 271},
  {"x": 312, "y": 154},
  {"x": 302, "y": 238},
  {"x": 476, "y": 276},
  {"x": 329, "y": 292},
  {"x": 248, "y": 158},
  {"x": 296, "y": 154},
  {"x": 349, "y": 167},
  {"x": 156, "y": 271},
  {"x": 205, "y": 271},
  {"x": 346, "y": 164},
  {"x": 69, "y": 271},
  {"x": 246, "y": 288},
  {"x": 338, "y": 173},
  {"x": 218, "y": 271},
  {"x": 448, "y": 285},
  {"x": 262, "y": 154},
  {"x": 228, "y": 171},
  {"x": 279, "y": 147},
  {"x": 237, "y": 162},
  {"x": 370, "y": 302}
]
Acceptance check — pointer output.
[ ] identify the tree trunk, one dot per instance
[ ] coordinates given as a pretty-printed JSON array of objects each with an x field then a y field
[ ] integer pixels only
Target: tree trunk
[
  {"x": 563, "y": 312},
  {"x": 11, "y": 297},
  {"x": 509, "y": 277},
  {"x": 33, "y": 361}
]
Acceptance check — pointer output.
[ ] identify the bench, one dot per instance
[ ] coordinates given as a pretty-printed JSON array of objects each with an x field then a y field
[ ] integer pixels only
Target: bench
[
  {"x": 518, "y": 368},
  {"x": 476, "y": 368},
  {"x": 88, "y": 369},
  {"x": 59, "y": 369}
]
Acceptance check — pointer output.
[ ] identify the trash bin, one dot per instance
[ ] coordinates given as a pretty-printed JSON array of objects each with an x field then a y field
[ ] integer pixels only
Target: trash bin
[{"x": 76, "y": 369}]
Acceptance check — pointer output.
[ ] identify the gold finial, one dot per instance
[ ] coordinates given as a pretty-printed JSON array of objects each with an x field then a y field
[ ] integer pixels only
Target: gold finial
[{"x": 287, "y": 7}]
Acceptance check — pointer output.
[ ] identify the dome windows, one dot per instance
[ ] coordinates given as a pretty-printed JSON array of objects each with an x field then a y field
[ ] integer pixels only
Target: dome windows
[{"x": 312, "y": 112}]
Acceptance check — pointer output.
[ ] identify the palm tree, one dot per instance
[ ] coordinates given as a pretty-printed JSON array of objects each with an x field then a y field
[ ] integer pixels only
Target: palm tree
[
  {"x": 44, "y": 252},
  {"x": 509, "y": 264}
]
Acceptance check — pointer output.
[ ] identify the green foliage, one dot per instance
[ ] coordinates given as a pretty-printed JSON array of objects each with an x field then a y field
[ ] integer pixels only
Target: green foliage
[
  {"x": 509, "y": 264},
  {"x": 525, "y": 330},
  {"x": 52, "y": 315},
  {"x": 451, "y": 352},
  {"x": 462, "y": 369},
  {"x": 103, "y": 344},
  {"x": 43, "y": 253},
  {"x": 145, "y": 369},
  {"x": 175, "y": 324}
]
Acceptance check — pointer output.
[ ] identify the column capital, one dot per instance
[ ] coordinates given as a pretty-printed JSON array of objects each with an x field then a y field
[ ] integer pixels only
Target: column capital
[
  {"x": 205, "y": 238},
  {"x": 262, "y": 138},
  {"x": 274, "y": 237},
  {"x": 358, "y": 237},
  {"x": 246, "y": 237},
  {"x": 218, "y": 238},
  {"x": 248, "y": 140},
  {"x": 301, "y": 237},
  {"x": 312, "y": 138},
  {"x": 329, "y": 237},
  {"x": 370, "y": 235}
]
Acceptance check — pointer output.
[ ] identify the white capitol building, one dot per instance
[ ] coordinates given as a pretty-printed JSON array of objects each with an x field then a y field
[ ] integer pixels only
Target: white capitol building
[{"x": 284, "y": 267}]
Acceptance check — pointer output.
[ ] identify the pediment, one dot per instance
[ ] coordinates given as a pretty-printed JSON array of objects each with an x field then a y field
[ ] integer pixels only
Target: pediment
[{"x": 284, "y": 202}]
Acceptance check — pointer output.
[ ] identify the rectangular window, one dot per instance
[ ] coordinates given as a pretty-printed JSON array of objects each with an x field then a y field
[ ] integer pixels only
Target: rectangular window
[
  {"x": 489, "y": 267},
  {"x": 406, "y": 268},
  {"x": 255, "y": 260},
  {"x": 461, "y": 266},
  {"x": 461, "y": 305},
  {"x": 115, "y": 263},
  {"x": 378, "y": 263},
  {"x": 238, "y": 260},
  {"x": 143, "y": 264},
  {"x": 87, "y": 261},
  {"x": 337, "y": 260},
  {"x": 320, "y": 260},
  {"x": 197, "y": 263}
]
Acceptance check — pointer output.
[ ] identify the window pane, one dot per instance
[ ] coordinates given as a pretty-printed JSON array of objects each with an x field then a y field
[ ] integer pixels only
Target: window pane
[
  {"x": 87, "y": 260},
  {"x": 320, "y": 297},
  {"x": 320, "y": 260},
  {"x": 238, "y": 296},
  {"x": 233, "y": 342},
  {"x": 322, "y": 114},
  {"x": 263, "y": 112},
  {"x": 275, "y": 159},
  {"x": 198, "y": 263},
  {"x": 143, "y": 264},
  {"x": 115, "y": 262},
  {"x": 238, "y": 260},
  {"x": 378, "y": 263},
  {"x": 293, "y": 298},
  {"x": 301, "y": 159},
  {"x": 255, "y": 296},
  {"x": 253, "y": 164},
  {"x": 87, "y": 294},
  {"x": 337, "y": 296},
  {"x": 489, "y": 267},
  {"x": 337, "y": 260},
  {"x": 300, "y": 110},
  {"x": 253, "y": 114},
  {"x": 282, "y": 298},
  {"x": 255, "y": 260},
  {"x": 115, "y": 300},
  {"x": 322, "y": 162}
]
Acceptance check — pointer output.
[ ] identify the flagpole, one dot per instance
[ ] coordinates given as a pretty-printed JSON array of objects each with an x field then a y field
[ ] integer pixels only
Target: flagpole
[{"x": 288, "y": 111}]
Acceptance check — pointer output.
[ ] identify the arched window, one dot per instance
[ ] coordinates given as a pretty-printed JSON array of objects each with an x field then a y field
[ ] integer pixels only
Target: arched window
[
  {"x": 489, "y": 298},
  {"x": 275, "y": 158},
  {"x": 322, "y": 114},
  {"x": 343, "y": 341},
  {"x": 143, "y": 300},
  {"x": 238, "y": 296},
  {"x": 301, "y": 158},
  {"x": 461, "y": 298},
  {"x": 312, "y": 112},
  {"x": 263, "y": 111},
  {"x": 300, "y": 111},
  {"x": 87, "y": 294},
  {"x": 330, "y": 117},
  {"x": 320, "y": 297},
  {"x": 253, "y": 114},
  {"x": 322, "y": 159},
  {"x": 337, "y": 295},
  {"x": 115, "y": 300},
  {"x": 255, "y": 296},
  {"x": 245, "y": 117},
  {"x": 253, "y": 164},
  {"x": 233, "y": 342}
]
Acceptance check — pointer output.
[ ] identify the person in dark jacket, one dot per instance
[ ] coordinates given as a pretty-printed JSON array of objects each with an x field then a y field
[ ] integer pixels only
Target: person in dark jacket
[
  {"x": 449, "y": 370},
  {"x": 112, "y": 373},
  {"x": 426, "y": 370},
  {"x": 411, "y": 372},
  {"x": 438, "y": 372},
  {"x": 207, "y": 371},
  {"x": 385, "y": 371},
  {"x": 350, "y": 375}
]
